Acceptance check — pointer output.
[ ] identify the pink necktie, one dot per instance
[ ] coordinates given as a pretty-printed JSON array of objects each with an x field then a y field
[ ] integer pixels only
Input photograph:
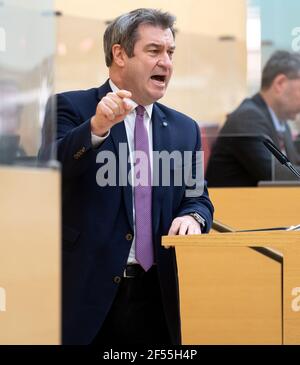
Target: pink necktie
[{"x": 143, "y": 198}]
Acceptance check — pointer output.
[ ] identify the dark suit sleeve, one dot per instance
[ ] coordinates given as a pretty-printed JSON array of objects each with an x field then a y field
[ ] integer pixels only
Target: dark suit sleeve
[
  {"x": 200, "y": 203},
  {"x": 72, "y": 143}
]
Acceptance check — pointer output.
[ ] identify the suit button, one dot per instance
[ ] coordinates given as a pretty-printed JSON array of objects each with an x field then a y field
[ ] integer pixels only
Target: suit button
[
  {"x": 117, "y": 279},
  {"x": 128, "y": 237}
]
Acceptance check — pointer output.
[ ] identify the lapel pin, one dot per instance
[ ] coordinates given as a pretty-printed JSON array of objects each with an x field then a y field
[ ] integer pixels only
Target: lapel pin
[{"x": 165, "y": 124}]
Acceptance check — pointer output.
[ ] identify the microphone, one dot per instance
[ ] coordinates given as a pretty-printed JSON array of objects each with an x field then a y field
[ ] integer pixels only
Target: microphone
[{"x": 280, "y": 156}]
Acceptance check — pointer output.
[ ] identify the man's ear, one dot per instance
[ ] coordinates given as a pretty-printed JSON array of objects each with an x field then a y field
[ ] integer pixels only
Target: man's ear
[
  {"x": 118, "y": 55},
  {"x": 280, "y": 82}
]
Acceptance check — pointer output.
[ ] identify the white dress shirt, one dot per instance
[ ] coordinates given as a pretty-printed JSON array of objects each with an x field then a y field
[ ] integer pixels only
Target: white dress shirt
[
  {"x": 279, "y": 126},
  {"x": 129, "y": 122}
]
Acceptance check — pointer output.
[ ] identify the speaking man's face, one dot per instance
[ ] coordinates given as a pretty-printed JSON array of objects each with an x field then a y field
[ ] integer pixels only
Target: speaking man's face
[{"x": 148, "y": 72}]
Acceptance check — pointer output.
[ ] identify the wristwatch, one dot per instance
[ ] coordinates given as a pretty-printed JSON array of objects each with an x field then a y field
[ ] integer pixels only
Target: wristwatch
[{"x": 198, "y": 218}]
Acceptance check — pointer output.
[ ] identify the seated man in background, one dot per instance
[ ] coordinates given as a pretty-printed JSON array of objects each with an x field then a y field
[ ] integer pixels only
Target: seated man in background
[{"x": 239, "y": 158}]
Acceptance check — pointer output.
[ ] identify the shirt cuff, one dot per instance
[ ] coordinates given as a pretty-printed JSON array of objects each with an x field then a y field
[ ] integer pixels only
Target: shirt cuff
[{"x": 97, "y": 141}]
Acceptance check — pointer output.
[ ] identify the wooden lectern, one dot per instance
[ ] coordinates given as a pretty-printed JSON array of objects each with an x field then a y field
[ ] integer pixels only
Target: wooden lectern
[
  {"x": 231, "y": 290},
  {"x": 250, "y": 314}
]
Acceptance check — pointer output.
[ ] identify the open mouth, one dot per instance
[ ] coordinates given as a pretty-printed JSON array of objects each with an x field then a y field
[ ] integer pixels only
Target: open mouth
[{"x": 159, "y": 78}]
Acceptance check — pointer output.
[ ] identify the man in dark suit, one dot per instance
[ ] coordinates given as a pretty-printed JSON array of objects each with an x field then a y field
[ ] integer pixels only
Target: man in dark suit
[
  {"x": 239, "y": 158},
  {"x": 119, "y": 284}
]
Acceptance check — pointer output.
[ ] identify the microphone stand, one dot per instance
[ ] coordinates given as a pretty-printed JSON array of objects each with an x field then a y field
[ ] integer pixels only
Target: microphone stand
[{"x": 280, "y": 156}]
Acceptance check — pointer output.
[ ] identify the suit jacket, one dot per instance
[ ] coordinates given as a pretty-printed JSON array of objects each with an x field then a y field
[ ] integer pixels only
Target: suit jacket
[
  {"x": 98, "y": 221},
  {"x": 239, "y": 158}
]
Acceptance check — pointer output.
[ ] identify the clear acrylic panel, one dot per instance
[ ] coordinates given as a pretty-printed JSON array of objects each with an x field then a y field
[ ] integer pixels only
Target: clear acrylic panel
[
  {"x": 27, "y": 47},
  {"x": 209, "y": 71},
  {"x": 242, "y": 159},
  {"x": 272, "y": 25}
]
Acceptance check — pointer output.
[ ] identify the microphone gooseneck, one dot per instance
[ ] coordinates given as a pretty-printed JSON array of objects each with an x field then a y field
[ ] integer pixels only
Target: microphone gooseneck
[{"x": 280, "y": 156}]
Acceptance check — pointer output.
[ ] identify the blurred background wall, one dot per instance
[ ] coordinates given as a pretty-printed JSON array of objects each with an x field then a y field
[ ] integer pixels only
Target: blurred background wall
[{"x": 210, "y": 62}]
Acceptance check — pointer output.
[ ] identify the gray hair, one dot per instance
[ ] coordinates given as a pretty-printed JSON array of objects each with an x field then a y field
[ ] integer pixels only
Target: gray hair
[
  {"x": 281, "y": 62},
  {"x": 123, "y": 30}
]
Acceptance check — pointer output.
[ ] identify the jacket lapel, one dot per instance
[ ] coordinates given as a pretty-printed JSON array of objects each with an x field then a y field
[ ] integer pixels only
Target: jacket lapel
[
  {"x": 103, "y": 90},
  {"x": 119, "y": 138},
  {"x": 263, "y": 106}
]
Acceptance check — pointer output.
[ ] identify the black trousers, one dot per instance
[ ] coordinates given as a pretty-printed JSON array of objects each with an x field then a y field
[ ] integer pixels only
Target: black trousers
[{"x": 136, "y": 315}]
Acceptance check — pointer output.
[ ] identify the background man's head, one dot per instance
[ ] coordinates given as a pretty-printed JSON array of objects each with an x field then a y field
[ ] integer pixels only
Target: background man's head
[
  {"x": 281, "y": 83},
  {"x": 138, "y": 50}
]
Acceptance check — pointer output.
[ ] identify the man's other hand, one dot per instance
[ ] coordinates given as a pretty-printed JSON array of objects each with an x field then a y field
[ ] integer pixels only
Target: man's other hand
[{"x": 184, "y": 225}]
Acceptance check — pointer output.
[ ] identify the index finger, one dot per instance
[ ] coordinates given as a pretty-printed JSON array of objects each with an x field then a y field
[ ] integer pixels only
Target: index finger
[
  {"x": 124, "y": 94},
  {"x": 174, "y": 228}
]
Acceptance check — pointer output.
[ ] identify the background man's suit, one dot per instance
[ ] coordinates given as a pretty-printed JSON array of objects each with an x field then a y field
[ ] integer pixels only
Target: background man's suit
[
  {"x": 239, "y": 158},
  {"x": 98, "y": 222}
]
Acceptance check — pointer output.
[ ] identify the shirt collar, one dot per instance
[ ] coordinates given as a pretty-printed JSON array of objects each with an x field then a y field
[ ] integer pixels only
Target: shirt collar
[
  {"x": 148, "y": 108},
  {"x": 279, "y": 125}
]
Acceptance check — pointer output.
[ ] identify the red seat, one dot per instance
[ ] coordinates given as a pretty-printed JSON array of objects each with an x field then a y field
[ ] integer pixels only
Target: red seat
[{"x": 209, "y": 133}]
